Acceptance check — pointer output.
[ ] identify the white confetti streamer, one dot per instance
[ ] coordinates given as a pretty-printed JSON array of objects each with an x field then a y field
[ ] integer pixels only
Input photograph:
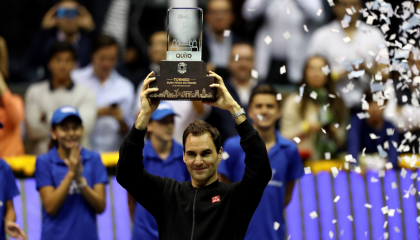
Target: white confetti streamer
[
  {"x": 226, "y": 33},
  {"x": 268, "y": 40},
  {"x": 283, "y": 70},
  {"x": 313, "y": 215},
  {"x": 296, "y": 139}
]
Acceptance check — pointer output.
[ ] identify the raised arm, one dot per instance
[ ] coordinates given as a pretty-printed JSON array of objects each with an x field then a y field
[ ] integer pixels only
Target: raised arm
[{"x": 146, "y": 188}]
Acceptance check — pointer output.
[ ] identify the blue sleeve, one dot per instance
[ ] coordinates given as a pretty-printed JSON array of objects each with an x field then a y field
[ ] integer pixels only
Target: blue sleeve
[
  {"x": 295, "y": 165},
  {"x": 353, "y": 137},
  {"x": 11, "y": 189},
  {"x": 392, "y": 152},
  {"x": 43, "y": 174},
  {"x": 100, "y": 174},
  {"x": 226, "y": 165}
]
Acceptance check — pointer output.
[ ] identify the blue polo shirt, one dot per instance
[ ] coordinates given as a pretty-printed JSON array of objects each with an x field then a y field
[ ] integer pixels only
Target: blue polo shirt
[
  {"x": 286, "y": 166},
  {"x": 76, "y": 219},
  {"x": 8, "y": 190},
  {"x": 145, "y": 226}
]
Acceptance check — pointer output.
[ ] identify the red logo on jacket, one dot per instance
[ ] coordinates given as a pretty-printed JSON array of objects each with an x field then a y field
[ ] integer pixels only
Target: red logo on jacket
[{"x": 215, "y": 199}]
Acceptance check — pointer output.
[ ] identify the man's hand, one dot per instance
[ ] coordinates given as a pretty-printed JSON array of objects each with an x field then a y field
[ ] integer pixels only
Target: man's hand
[
  {"x": 148, "y": 106},
  {"x": 224, "y": 99},
  {"x": 84, "y": 19},
  {"x": 14, "y": 230},
  {"x": 50, "y": 20}
]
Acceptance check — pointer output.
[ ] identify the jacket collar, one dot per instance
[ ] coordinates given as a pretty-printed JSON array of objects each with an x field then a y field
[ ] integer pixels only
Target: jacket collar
[
  {"x": 149, "y": 152},
  {"x": 211, "y": 186}
]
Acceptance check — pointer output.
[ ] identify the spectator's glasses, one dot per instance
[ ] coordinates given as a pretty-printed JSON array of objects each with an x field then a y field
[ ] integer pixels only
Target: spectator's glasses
[{"x": 67, "y": 13}]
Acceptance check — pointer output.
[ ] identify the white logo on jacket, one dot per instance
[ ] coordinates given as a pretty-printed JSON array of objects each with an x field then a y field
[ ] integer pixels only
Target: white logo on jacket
[{"x": 274, "y": 183}]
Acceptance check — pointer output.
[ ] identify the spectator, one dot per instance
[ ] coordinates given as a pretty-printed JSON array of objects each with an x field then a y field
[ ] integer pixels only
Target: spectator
[
  {"x": 8, "y": 190},
  {"x": 11, "y": 116},
  {"x": 162, "y": 157},
  {"x": 71, "y": 181},
  {"x": 114, "y": 95},
  {"x": 315, "y": 110},
  {"x": 219, "y": 18},
  {"x": 156, "y": 52},
  {"x": 402, "y": 108},
  {"x": 43, "y": 98},
  {"x": 347, "y": 45},
  {"x": 281, "y": 19},
  {"x": 239, "y": 85},
  {"x": 286, "y": 164},
  {"x": 66, "y": 21},
  {"x": 4, "y": 59},
  {"x": 372, "y": 134}
]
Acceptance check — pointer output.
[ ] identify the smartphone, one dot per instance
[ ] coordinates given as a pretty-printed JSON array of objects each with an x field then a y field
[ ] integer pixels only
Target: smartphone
[{"x": 67, "y": 12}]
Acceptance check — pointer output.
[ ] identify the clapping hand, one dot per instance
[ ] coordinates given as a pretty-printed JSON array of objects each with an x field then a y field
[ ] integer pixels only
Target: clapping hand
[{"x": 73, "y": 160}]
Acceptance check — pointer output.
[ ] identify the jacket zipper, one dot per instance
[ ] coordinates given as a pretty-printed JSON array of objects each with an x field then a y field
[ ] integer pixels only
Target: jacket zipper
[{"x": 193, "y": 223}]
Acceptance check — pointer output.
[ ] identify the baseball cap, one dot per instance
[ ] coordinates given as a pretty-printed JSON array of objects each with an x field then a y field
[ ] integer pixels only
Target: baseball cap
[
  {"x": 164, "y": 109},
  {"x": 63, "y": 113}
]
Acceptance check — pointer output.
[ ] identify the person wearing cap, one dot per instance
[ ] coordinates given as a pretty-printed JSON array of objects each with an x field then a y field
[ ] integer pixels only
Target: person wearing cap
[
  {"x": 162, "y": 157},
  {"x": 71, "y": 181},
  {"x": 8, "y": 190}
]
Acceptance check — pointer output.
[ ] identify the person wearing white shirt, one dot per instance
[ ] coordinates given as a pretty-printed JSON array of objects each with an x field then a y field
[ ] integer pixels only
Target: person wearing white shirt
[
  {"x": 282, "y": 40},
  {"x": 114, "y": 95},
  {"x": 351, "y": 47}
]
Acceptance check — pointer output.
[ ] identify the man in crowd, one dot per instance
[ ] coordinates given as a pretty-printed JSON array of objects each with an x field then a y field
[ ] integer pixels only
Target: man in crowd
[
  {"x": 12, "y": 114},
  {"x": 114, "y": 95},
  {"x": 202, "y": 208},
  {"x": 66, "y": 21},
  {"x": 264, "y": 110},
  {"x": 347, "y": 44},
  {"x": 239, "y": 84},
  {"x": 43, "y": 98}
]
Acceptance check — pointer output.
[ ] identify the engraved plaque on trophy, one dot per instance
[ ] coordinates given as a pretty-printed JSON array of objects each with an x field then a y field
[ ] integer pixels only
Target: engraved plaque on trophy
[{"x": 183, "y": 73}]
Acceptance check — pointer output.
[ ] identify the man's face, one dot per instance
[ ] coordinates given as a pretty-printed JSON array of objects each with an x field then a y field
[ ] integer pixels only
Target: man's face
[
  {"x": 162, "y": 129},
  {"x": 68, "y": 25},
  {"x": 340, "y": 9},
  {"x": 105, "y": 59},
  {"x": 201, "y": 157},
  {"x": 241, "y": 69},
  {"x": 157, "y": 47},
  {"x": 264, "y": 110},
  {"x": 61, "y": 65},
  {"x": 219, "y": 15}
]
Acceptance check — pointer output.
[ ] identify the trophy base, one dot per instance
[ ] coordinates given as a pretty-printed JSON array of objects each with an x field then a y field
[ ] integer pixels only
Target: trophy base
[{"x": 183, "y": 80}]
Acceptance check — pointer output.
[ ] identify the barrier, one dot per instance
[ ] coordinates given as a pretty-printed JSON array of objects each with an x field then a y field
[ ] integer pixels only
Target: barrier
[{"x": 314, "y": 192}]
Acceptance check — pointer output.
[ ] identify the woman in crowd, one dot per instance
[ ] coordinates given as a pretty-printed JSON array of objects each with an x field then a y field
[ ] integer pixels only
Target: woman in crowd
[
  {"x": 317, "y": 116},
  {"x": 71, "y": 181}
]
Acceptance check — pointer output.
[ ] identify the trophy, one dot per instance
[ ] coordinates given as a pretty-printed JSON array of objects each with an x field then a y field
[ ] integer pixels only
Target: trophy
[{"x": 183, "y": 73}]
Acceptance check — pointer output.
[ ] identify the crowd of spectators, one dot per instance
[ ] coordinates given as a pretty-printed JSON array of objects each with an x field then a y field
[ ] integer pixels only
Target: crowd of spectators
[{"x": 347, "y": 71}]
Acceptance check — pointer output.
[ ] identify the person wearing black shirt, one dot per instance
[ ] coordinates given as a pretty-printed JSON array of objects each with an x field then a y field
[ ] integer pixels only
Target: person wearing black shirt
[{"x": 202, "y": 208}]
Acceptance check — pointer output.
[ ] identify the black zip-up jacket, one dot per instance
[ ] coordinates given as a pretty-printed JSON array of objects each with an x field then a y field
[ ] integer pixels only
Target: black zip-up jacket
[{"x": 183, "y": 212}]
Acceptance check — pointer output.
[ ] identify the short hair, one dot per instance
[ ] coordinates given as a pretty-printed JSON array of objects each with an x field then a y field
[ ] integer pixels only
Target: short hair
[
  {"x": 200, "y": 127},
  {"x": 102, "y": 41},
  {"x": 264, "y": 89},
  {"x": 59, "y": 47},
  {"x": 242, "y": 42}
]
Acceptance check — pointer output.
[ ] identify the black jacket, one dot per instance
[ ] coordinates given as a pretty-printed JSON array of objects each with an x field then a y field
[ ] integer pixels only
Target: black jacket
[{"x": 183, "y": 212}]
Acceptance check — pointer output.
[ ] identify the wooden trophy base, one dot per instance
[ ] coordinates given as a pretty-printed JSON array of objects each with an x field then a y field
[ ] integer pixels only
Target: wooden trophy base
[{"x": 183, "y": 80}]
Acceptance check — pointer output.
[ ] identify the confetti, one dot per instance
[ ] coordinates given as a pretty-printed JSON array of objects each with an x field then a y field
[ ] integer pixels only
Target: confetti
[
  {"x": 251, "y": 10},
  {"x": 391, "y": 212},
  {"x": 326, "y": 70},
  {"x": 336, "y": 125},
  {"x": 348, "y": 127},
  {"x": 350, "y": 218},
  {"x": 388, "y": 166},
  {"x": 334, "y": 30},
  {"x": 397, "y": 229},
  {"x": 367, "y": 205},
  {"x": 327, "y": 155},
  {"x": 236, "y": 57},
  {"x": 254, "y": 74},
  {"x": 385, "y": 28},
  {"x": 344, "y": 23},
  {"x": 313, "y": 95},
  {"x": 313, "y": 215},
  {"x": 319, "y": 12},
  {"x": 334, "y": 221},
  {"x": 297, "y": 99},
  {"x": 363, "y": 152},
  {"x": 385, "y": 224},
  {"x": 307, "y": 170},
  {"x": 386, "y": 235},
  {"x": 334, "y": 171},
  {"x": 276, "y": 226},
  {"x": 373, "y": 136},
  {"x": 286, "y": 35},
  {"x": 225, "y": 155},
  {"x": 348, "y": 157},
  {"x": 373, "y": 179},
  {"x": 349, "y": 11},
  {"x": 358, "y": 170},
  {"x": 268, "y": 40},
  {"x": 283, "y": 70},
  {"x": 336, "y": 199},
  {"x": 305, "y": 28},
  {"x": 296, "y": 139},
  {"x": 278, "y": 96},
  {"x": 365, "y": 105},
  {"x": 403, "y": 172},
  {"x": 394, "y": 185},
  {"x": 346, "y": 39},
  {"x": 226, "y": 33},
  {"x": 331, "y": 234},
  {"x": 390, "y": 131},
  {"x": 384, "y": 210},
  {"x": 404, "y": 98},
  {"x": 370, "y": 20},
  {"x": 260, "y": 117},
  {"x": 418, "y": 219}
]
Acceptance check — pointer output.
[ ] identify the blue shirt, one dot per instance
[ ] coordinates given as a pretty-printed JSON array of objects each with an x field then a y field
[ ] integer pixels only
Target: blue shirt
[
  {"x": 286, "y": 166},
  {"x": 8, "y": 190},
  {"x": 145, "y": 226},
  {"x": 76, "y": 219},
  {"x": 358, "y": 138}
]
